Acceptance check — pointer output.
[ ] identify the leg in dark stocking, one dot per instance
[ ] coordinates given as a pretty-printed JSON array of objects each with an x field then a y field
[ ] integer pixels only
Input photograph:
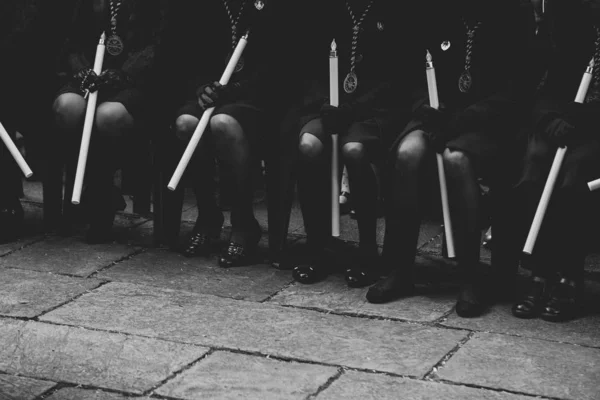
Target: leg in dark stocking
[
  {"x": 364, "y": 183},
  {"x": 11, "y": 211},
  {"x": 464, "y": 192},
  {"x": 112, "y": 124},
  {"x": 201, "y": 171},
  {"x": 313, "y": 188},
  {"x": 233, "y": 148},
  {"x": 542, "y": 261},
  {"x": 69, "y": 114},
  {"x": 402, "y": 220},
  {"x": 570, "y": 230}
]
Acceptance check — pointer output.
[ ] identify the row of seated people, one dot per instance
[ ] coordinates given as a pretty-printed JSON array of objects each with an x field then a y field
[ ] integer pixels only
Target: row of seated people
[{"x": 507, "y": 74}]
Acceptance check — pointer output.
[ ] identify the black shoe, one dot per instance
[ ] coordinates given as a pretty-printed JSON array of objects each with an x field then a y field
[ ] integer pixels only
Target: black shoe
[
  {"x": 470, "y": 301},
  {"x": 99, "y": 233},
  {"x": 198, "y": 244},
  {"x": 366, "y": 272},
  {"x": 530, "y": 305},
  {"x": 397, "y": 285},
  {"x": 241, "y": 251},
  {"x": 315, "y": 270},
  {"x": 563, "y": 304},
  {"x": 487, "y": 238},
  {"x": 11, "y": 222}
]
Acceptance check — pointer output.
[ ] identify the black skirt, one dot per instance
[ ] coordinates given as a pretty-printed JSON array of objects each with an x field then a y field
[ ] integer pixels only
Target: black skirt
[
  {"x": 133, "y": 99},
  {"x": 580, "y": 165}
]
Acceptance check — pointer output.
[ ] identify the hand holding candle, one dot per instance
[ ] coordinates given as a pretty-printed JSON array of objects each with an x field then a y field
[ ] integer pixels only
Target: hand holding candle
[
  {"x": 334, "y": 100},
  {"x": 10, "y": 145},
  {"x": 434, "y": 102},
  {"x": 203, "y": 124},
  {"x": 88, "y": 124},
  {"x": 554, "y": 170}
]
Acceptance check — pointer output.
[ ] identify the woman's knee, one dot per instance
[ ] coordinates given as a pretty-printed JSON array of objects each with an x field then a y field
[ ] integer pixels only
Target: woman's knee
[
  {"x": 456, "y": 161},
  {"x": 353, "y": 152},
  {"x": 113, "y": 119},
  {"x": 412, "y": 151},
  {"x": 185, "y": 125},
  {"x": 310, "y": 146},
  {"x": 225, "y": 128},
  {"x": 69, "y": 109}
]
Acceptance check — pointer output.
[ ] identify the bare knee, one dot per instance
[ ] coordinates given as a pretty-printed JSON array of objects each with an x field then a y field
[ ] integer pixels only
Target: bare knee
[
  {"x": 310, "y": 146},
  {"x": 69, "y": 110},
  {"x": 225, "y": 128},
  {"x": 412, "y": 151},
  {"x": 112, "y": 119},
  {"x": 353, "y": 152},
  {"x": 456, "y": 161},
  {"x": 185, "y": 125}
]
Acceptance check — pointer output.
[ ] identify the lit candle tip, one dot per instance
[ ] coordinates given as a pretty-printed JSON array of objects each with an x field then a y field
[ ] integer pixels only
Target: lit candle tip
[
  {"x": 333, "y": 45},
  {"x": 428, "y": 56}
]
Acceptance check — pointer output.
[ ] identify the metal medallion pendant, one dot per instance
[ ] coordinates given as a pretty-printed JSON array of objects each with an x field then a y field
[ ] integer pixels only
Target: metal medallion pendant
[
  {"x": 445, "y": 45},
  {"x": 350, "y": 83},
  {"x": 114, "y": 45},
  {"x": 259, "y": 5},
  {"x": 465, "y": 81}
]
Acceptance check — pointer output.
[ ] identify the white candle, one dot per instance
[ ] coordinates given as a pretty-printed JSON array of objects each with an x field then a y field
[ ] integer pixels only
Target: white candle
[
  {"x": 434, "y": 102},
  {"x": 10, "y": 145},
  {"x": 594, "y": 185},
  {"x": 204, "y": 121},
  {"x": 88, "y": 125},
  {"x": 334, "y": 100},
  {"x": 536, "y": 225}
]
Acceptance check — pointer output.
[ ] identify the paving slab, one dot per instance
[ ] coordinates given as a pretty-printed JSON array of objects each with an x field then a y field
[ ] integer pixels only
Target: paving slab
[
  {"x": 80, "y": 356},
  {"x": 364, "y": 386},
  {"x": 22, "y": 388},
  {"x": 583, "y": 331},
  {"x": 66, "y": 256},
  {"x": 224, "y": 375},
  {"x": 434, "y": 247},
  {"x": 29, "y": 293},
  {"x": 527, "y": 366},
  {"x": 334, "y": 295},
  {"x": 6, "y": 248},
  {"x": 89, "y": 394},
  {"x": 200, "y": 275},
  {"x": 396, "y": 347}
]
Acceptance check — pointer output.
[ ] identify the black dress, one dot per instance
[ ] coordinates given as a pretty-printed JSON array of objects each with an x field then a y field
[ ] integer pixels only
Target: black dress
[
  {"x": 488, "y": 109},
  {"x": 385, "y": 65},
  {"x": 198, "y": 46},
  {"x": 568, "y": 45},
  {"x": 138, "y": 25}
]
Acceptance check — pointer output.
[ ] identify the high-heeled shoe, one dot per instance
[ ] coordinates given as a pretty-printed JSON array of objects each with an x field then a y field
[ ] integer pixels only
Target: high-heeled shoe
[{"x": 530, "y": 305}]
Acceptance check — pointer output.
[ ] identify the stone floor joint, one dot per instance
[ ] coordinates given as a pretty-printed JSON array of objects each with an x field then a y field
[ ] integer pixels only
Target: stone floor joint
[
  {"x": 447, "y": 356},
  {"x": 72, "y": 299},
  {"x": 120, "y": 260},
  {"x": 493, "y": 389},
  {"x": 324, "y": 386}
]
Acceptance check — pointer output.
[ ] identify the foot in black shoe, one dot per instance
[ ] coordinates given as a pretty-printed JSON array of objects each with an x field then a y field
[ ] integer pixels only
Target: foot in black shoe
[
  {"x": 470, "y": 302},
  {"x": 236, "y": 255},
  {"x": 399, "y": 284},
  {"x": 198, "y": 244},
  {"x": 367, "y": 271},
  {"x": 310, "y": 273},
  {"x": 563, "y": 303},
  {"x": 530, "y": 305}
]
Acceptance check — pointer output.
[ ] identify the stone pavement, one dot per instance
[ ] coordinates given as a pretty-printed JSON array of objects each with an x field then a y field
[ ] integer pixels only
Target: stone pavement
[{"x": 126, "y": 320}]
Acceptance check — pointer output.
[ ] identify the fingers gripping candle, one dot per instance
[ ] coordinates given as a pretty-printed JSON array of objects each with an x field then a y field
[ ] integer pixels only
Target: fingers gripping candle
[
  {"x": 554, "y": 170},
  {"x": 88, "y": 125},
  {"x": 334, "y": 98},
  {"x": 10, "y": 145},
  {"x": 434, "y": 102},
  {"x": 204, "y": 121}
]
